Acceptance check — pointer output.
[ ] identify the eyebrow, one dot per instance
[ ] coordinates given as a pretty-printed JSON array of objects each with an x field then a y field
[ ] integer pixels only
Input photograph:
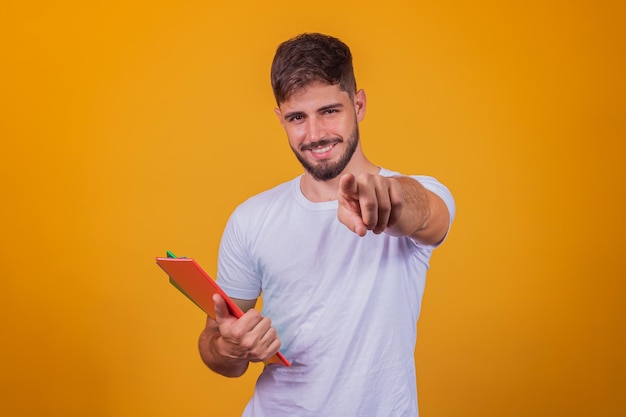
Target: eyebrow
[
  {"x": 320, "y": 110},
  {"x": 329, "y": 106},
  {"x": 293, "y": 114}
]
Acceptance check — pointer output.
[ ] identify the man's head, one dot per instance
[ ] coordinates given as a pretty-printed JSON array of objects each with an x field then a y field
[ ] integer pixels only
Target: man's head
[
  {"x": 311, "y": 58},
  {"x": 318, "y": 105}
]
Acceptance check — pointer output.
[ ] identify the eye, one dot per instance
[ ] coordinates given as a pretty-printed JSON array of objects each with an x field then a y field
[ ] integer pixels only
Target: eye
[
  {"x": 330, "y": 111},
  {"x": 295, "y": 118}
]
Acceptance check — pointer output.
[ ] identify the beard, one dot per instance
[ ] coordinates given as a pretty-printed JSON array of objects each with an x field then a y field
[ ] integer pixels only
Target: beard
[{"x": 326, "y": 170}]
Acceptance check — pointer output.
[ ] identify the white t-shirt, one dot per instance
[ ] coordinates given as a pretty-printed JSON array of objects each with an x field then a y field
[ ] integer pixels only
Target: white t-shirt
[{"x": 345, "y": 307}]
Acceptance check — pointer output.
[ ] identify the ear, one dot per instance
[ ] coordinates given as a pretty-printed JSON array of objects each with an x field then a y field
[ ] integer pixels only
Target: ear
[
  {"x": 360, "y": 104},
  {"x": 279, "y": 114}
]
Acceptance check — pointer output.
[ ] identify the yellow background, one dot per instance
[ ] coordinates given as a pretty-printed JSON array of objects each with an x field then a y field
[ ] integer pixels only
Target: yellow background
[{"x": 129, "y": 128}]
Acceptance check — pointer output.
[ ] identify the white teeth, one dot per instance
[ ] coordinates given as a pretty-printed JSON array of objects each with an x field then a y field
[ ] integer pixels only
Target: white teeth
[{"x": 322, "y": 150}]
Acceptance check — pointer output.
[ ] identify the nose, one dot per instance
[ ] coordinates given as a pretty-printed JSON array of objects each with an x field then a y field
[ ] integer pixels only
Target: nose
[{"x": 315, "y": 129}]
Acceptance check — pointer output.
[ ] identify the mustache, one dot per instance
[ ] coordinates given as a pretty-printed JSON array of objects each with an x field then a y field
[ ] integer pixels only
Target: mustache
[{"x": 319, "y": 144}]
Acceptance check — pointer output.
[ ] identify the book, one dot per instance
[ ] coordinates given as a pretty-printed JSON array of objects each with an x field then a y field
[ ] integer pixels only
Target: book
[{"x": 197, "y": 285}]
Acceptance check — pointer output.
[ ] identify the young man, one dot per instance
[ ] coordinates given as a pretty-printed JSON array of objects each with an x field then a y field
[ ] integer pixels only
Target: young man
[{"x": 340, "y": 255}]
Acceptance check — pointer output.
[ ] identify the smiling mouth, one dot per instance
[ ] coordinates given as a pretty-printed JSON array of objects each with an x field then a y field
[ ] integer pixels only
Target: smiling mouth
[
  {"x": 321, "y": 146},
  {"x": 323, "y": 150}
]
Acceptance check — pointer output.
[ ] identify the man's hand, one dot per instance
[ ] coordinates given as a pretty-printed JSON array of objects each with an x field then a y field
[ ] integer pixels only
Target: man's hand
[
  {"x": 369, "y": 202},
  {"x": 251, "y": 337}
]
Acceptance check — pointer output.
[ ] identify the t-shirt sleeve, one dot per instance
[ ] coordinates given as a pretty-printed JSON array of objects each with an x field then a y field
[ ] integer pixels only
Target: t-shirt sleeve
[
  {"x": 236, "y": 272},
  {"x": 434, "y": 186}
]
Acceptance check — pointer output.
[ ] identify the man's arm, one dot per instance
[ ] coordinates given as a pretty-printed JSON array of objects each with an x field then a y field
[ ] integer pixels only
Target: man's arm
[
  {"x": 424, "y": 216},
  {"x": 227, "y": 345},
  {"x": 400, "y": 206}
]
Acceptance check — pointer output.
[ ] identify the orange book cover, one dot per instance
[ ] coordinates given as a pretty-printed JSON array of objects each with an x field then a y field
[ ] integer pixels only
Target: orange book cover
[{"x": 193, "y": 281}]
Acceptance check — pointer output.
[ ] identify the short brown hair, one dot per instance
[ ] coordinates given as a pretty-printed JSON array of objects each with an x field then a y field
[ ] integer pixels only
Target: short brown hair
[{"x": 309, "y": 58}]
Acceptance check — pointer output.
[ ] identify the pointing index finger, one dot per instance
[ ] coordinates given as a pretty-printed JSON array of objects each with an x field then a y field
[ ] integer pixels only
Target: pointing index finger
[{"x": 348, "y": 185}]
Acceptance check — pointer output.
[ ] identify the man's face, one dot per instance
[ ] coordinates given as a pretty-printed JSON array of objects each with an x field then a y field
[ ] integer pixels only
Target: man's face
[{"x": 321, "y": 123}]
